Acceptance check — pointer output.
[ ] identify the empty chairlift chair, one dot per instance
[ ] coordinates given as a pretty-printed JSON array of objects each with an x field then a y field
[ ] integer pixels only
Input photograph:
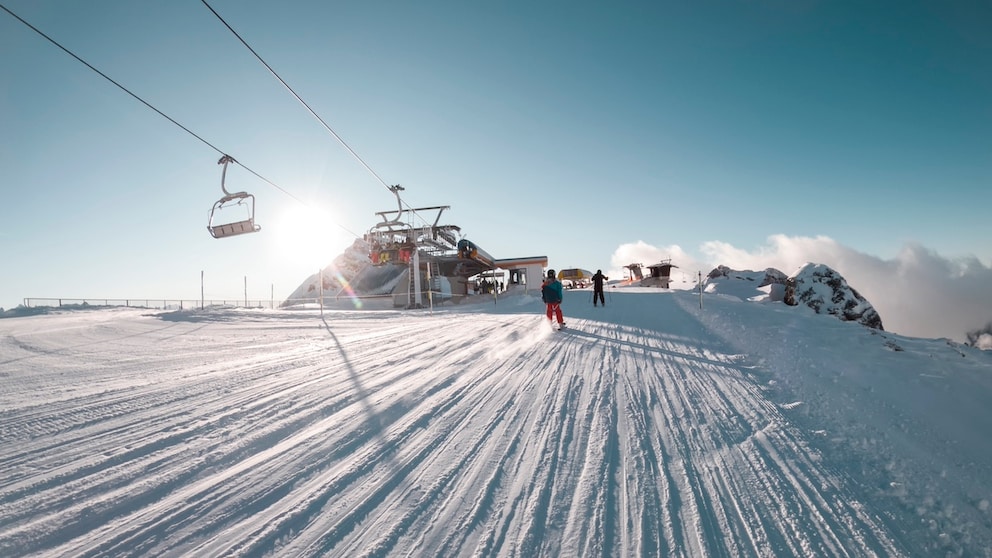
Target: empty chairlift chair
[{"x": 232, "y": 228}]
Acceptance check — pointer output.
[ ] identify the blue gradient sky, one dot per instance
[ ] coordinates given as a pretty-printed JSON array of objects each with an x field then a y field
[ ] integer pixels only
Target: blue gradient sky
[{"x": 551, "y": 128}]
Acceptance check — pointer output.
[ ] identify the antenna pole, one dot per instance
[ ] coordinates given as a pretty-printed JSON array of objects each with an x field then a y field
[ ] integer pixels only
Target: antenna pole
[{"x": 700, "y": 289}]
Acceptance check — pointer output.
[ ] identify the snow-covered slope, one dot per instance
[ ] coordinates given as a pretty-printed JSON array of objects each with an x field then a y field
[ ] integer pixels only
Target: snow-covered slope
[{"x": 650, "y": 428}]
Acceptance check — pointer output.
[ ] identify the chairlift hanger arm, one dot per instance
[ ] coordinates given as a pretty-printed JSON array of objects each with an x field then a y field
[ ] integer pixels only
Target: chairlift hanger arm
[
  {"x": 395, "y": 189},
  {"x": 223, "y": 175}
]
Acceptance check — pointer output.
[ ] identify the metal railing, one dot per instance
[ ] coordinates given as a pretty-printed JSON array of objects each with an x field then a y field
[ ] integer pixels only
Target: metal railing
[
  {"x": 194, "y": 304},
  {"x": 151, "y": 303}
]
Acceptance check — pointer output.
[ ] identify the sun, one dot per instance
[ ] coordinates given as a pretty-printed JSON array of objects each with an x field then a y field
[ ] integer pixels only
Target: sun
[{"x": 304, "y": 235}]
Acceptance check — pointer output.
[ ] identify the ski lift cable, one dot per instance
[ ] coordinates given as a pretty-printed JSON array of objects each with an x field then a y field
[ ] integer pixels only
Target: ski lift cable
[
  {"x": 162, "y": 114},
  {"x": 108, "y": 78},
  {"x": 307, "y": 106},
  {"x": 298, "y": 98},
  {"x": 142, "y": 101}
]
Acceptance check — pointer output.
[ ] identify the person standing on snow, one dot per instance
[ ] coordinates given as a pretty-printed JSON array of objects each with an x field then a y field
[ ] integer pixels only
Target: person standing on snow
[
  {"x": 597, "y": 287},
  {"x": 551, "y": 294}
]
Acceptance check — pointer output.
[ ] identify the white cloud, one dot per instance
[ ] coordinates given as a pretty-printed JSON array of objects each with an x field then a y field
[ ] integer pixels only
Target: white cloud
[{"x": 919, "y": 293}]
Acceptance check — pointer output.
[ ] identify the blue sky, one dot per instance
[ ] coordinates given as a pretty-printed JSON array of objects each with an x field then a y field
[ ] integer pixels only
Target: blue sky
[{"x": 552, "y": 128}]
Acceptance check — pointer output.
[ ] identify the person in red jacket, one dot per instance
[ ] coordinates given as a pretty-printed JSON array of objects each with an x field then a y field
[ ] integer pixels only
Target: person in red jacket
[{"x": 552, "y": 295}]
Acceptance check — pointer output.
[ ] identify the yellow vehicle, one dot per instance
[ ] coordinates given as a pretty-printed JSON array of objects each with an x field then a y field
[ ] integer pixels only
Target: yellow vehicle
[{"x": 575, "y": 278}]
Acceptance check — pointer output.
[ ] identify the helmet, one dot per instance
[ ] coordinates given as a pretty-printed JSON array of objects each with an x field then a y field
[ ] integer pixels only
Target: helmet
[{"x": 551, "y": 274}]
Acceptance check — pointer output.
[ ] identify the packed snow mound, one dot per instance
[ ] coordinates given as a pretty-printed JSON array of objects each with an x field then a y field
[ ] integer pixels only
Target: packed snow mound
[
  {"x": 757, "y": 286},
  {"x": 827, "y": 292},
  {"x": 23, "y": 311}
]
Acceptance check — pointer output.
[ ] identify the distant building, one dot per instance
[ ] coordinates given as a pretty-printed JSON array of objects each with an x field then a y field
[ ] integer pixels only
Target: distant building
[
  {"x": 635, "y": 272},
  {"x": 659, "y": 274}
]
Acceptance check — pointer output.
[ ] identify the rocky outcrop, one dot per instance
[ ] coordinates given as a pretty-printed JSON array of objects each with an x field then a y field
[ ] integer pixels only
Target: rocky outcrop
[
  {"x": 814, "y": 285},
  {"x": 827, "y": 292}
]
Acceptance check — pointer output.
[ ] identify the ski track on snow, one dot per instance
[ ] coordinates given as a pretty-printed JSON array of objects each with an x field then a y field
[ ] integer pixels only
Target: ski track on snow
[{"x": 375, "y": 434}]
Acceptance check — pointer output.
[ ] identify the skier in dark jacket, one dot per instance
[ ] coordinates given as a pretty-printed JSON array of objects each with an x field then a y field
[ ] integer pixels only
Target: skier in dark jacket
[
  {"x": 551, "y": 294},
  {"x": 597, "y": 287}
]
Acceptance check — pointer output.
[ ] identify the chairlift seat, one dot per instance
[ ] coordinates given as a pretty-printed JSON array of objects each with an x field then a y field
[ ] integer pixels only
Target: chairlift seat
[
  {"x": 237, "y": 227},
  {"x": 233, "y": 229}
]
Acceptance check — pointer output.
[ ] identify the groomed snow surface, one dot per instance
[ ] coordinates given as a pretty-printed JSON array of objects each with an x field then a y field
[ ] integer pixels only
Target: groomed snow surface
[{"x": 648, "y": 428}]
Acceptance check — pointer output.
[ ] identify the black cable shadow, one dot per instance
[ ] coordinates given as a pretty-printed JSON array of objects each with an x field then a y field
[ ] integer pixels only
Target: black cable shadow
[{"x": 375, "y": 420}]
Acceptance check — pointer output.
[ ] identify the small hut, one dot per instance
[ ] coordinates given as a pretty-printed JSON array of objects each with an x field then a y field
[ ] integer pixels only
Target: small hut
[{"x": 660, "y": 274}]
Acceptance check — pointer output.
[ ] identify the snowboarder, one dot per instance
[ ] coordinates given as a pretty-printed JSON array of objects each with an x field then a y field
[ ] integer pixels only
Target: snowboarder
[
  {"x": 597, "y": 287},
  {"x": 551, "y": 294}
]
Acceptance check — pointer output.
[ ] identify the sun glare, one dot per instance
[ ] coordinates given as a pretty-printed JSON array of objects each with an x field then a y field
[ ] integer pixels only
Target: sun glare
[{"x": 305, "y": 235}]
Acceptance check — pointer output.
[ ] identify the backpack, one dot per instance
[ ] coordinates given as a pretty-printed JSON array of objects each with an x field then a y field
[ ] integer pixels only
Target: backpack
[{"x": 549, "y": 294}]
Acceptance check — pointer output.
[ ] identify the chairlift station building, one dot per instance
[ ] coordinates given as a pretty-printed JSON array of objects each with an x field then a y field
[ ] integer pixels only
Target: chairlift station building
[{"x": 436, "y": 261}]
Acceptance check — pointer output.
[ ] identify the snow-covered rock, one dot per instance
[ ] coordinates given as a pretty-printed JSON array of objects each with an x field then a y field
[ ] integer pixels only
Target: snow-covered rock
[
  {"x": 827, "y": 292},
  {"x": 767, "y": 285},
  {"x": 981, "y": 338},
  {"x": 814, "y": 285}
]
